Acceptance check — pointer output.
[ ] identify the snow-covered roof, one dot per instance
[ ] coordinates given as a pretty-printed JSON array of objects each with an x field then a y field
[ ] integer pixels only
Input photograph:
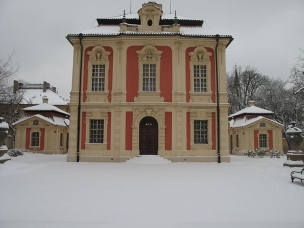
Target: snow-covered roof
[
  {"x": 58, "y": 121},
  {"x": 114, "y": 30},
  {"x": 35, "y": 96},
  {"x": 252, "y": 110},
  {"x": 235, "y": 123},
  {"x": 169, "y": 16},
  {"x": 45, "y": 107}
]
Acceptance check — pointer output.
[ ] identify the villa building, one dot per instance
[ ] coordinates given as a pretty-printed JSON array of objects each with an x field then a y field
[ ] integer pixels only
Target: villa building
[{"x": 149, "y": 84}]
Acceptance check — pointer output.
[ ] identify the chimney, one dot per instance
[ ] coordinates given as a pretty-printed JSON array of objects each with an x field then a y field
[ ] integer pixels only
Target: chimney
[
  {"x": 16, "y": 86},
  {"x": 251, "y": 103},
  {"x": 46, "y": 86},
  {"x": 45, "y": 100},
  {"x": 54, "y": 89}
]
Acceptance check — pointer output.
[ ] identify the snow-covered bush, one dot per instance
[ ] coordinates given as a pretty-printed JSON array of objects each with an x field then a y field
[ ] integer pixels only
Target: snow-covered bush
[{"x": 14, "y": 152}]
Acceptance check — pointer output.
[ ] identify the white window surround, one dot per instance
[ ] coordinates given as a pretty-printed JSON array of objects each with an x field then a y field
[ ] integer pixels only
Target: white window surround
[
  {"x": 98, "y": 56},
  {"x": 200, "y": 57},
  {"x": 96, "y": 114},
  {"x": 201, "y": 114},
  {"x": 149, "y": 55}
]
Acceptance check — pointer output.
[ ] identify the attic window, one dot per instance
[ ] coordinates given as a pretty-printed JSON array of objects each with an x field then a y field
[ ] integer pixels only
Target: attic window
[
  {"x": 36, "y": 122},
  {"x": 262, "y": 125},
  {"x": 149, "y": 22}
]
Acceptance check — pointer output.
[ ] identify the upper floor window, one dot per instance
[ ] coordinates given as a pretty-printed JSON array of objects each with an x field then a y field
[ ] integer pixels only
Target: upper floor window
[
  {"x": 149, "y": 69},
  {"x": 262, "y": 125},
  {"x": 98, "y": 69},
  {"x": 200, "y": 131},
  {"x": 96, "y": 131},
  {"x": 200, "y": 70},
  {"x": 35, "y": 122},
  {"x": 98, "y": 77},
  {"x": 149, "y": 77},
  {"x": 200, "y": 78},
  {"x": 35, "y": 139}
]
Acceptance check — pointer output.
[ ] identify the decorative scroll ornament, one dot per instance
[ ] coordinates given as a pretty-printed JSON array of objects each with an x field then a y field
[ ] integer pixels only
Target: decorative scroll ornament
[
  {"x": 98, "y": 54},
  {"x": 200, "y": 54},
  {"x": 149, "y": 53}
]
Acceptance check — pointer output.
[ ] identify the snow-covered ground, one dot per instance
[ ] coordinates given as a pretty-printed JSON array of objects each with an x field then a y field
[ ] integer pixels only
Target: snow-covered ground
[{"x": 45, "y": 191}]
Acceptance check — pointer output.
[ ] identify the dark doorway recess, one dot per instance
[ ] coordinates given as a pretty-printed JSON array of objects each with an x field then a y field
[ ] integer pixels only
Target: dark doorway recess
[{"x": 148, "y": 136}]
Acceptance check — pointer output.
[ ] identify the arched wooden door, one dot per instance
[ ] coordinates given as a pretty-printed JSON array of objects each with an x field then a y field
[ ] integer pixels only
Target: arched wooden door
[{"x": 148, "y": 136}]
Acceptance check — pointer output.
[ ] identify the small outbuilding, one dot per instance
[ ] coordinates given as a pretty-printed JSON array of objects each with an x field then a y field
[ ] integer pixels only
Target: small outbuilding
[
  {"x": 252, "y": 128},
  {"x": 44, "y": 129}
]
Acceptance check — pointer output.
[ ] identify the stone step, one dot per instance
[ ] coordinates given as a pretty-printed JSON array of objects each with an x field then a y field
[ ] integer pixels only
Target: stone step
[{"x": 148, "y": 159}]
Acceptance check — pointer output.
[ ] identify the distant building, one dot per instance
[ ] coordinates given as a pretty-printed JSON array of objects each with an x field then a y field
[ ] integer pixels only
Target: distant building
[
  {"x": 252, "y": 128},
  {"x": 149, "y": 83},
  {"x": 26, "y": 95},
  {"x": 43, "y": 128},
  {"x": 33, "y": 94}
]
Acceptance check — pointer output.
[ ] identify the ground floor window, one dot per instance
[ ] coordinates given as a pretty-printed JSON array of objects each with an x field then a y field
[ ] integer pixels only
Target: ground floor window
[
  {"x": 96, "y": 131},
  {"x": 200, "y": 131},
  {"x": 35, "y": 139},
  {"x": 263, "y": 140}
]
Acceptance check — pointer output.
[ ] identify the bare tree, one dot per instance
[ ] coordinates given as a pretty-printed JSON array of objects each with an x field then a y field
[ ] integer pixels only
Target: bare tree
[
  {"x": 8, "y": 70},
  {"x": 242, "y": 86},
  {"x": 274, "y": 96}
]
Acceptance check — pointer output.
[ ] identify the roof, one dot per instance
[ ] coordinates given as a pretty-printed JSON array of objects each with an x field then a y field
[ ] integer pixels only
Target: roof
[
  {"x": 110, "y": 27},
  {"x": 166, "y": 19},
  {"x": 242, "y": 122},
  {"x": 34, "y": 96},
  {"x": 58, "y": 121},
  {"x": 45, "y": 107},
  {"x": 252, "y": 110}
]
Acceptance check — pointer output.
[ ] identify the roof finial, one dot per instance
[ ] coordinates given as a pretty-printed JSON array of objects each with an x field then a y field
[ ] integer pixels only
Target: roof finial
[
  {"x": 175, "y": 18},
  {"x": 124, "y": 17}
]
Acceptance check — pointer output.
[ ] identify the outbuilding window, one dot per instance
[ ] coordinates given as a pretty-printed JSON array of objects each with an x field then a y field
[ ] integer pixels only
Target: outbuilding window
[
  {"x": 35, "y": 139},
  {"x": 263, "y": 140}
]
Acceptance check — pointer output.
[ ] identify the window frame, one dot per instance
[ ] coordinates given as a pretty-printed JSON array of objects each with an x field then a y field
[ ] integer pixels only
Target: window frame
[
  {"x": 100, "y": 85},
  {"x": 35, "y": 139},
  {"x": 35, "y": 122},
  {"x": 200, "y": 57},
  {"x": 263, "y": 141},
  {"x": 98, "y": 56},
  {"x": 96, "y": 132},
  {"x": 202, "y": 131},
  {"x": 151, "y": 56}
]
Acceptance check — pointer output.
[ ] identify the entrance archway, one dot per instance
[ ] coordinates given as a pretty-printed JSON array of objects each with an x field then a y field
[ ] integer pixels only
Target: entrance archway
[{"x": 148, "y": 136}]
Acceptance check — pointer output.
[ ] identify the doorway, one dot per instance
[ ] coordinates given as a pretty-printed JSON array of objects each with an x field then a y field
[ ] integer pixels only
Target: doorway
[{"x": 148, "y": 136}]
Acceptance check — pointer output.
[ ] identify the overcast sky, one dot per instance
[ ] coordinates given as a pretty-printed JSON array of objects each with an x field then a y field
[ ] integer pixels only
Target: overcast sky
[{"x": 267, "y": 33}]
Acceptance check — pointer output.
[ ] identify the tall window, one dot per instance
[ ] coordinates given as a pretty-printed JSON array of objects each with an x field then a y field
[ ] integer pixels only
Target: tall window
[
  {"x": 237, "y": 140},
  {"x": 200, "y": 78},
  {"x": 98, "y": 77},
  {"x": 61, "y": 139},
  {"x": 35, "y": 139},
  {"x": 200, "y": 131},
  {"x": 263, "y": 140},
  {"x": 96, "y": 131},
  {"x": 149, "y": 77}
]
